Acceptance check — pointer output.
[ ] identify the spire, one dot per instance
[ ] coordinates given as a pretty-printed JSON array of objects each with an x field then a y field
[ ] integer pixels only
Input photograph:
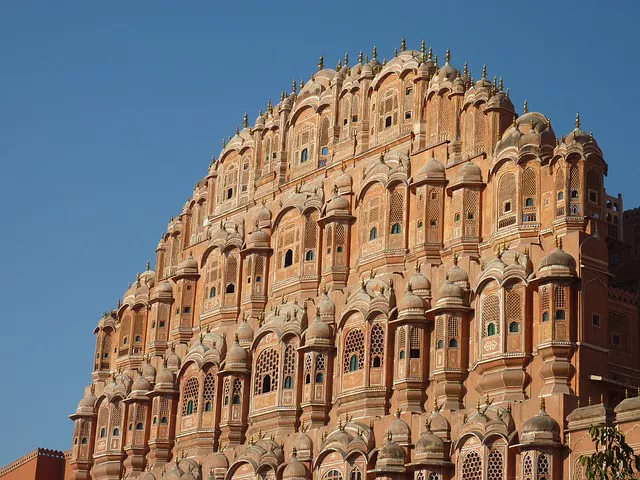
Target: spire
[
  {"x": 465, "y": 69},
  {"x": 346, "y": 59},
  {"x": 294, "y": 87},
  {"x": 148, "y": 265},
  {"x": 447, "y": 56},
  {"x": 403, "y": 45},
  {"x": 543, "y": 405},
  {"x": 501, "y": 85},
  {"x": 282, "y": 95},
  {"x": 398, "y": 413},
  {"x": 423, "y": 50},
  {"x": 484, "y": 71},
  {"x": 237, "y": 130},
  {"x": 360, "y": 58},
  {"x": 339, "y": 65},
  {"x": 395, "y": 52},
  {"x": 384, "y": 61},
  {"x": 526, "y": 106},
  {"x": 245, "y": 120},
  {"x": 321, "y": 62},
  {"x": 375, "y": 52},
  {"x": 577, "y": 121},
  {"x": 430, "y": 54},
  {"x": 269, "y": 106}
]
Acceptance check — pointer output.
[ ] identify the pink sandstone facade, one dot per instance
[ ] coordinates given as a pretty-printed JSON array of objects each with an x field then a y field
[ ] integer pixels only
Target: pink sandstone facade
[{"x": 390, "y": 275}]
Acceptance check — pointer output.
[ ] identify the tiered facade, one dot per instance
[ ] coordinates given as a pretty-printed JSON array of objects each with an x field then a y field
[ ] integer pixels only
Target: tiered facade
[{"x": 384, "y": 277}]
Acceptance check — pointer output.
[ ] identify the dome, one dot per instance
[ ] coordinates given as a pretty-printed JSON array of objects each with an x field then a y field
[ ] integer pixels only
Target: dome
[
  {"x": 164, "y": 287},
  {"x": 344, "y": 181},
  {"x": 258, "y": 236},
  {"x": 326, "y": 305},
  {"x": 149, "y": 372},
  {"x": 303, "y": 443},
  {"x": 164, "y": 376},
  {"x": 399, "y": 430},
  {"x": 295, "y": 469},
  {"x": 541, "y": 427},
  {"x": 140, "y": 384},
  {"x": 319, "y": 330},
  {"x": 410, "y": 300},
  {"x": 433, "y": 169},
  {"x": 419, "y": 282},
  {"x": 450, "y": 290},
  {"x": 430, "y": 444},
  {"x": 88, "y": 401},
  {"x": 367, "y": 71},
  {"x": 217, "y": 460},
  {"x": 447, "y": 72},
  {"x": 244, "y": 332},
  {"x": 189, "y": 263},
  {"x": 470, "y": 173},
  {"x": 237, "y": 355},
  {"x": 338, "y": 203},
  {"x": 457, "y": 275},
  {"x": 263, "y": 215},
  {"x": 558, "y": 258},
  {"x": 391, "y": 454}
]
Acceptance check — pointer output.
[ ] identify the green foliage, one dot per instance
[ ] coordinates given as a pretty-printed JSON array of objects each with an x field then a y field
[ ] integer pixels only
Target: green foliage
[{"x": 613, "y": 458}]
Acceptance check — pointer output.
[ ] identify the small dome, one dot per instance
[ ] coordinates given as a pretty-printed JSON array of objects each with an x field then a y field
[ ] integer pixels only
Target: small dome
[
  {"x": 558, "y": 258},
  {"x": 189, "y": 264},
  {"x": 430, "y": 444},
  {"x": 263, "y": 215},
  {"x": 419, "y": 282},
  {"x": 258, "y": 236},
  {"x": 433, "y": 169},
  {"x": 260, "y": 120},
  {"x": 367, "y": 71},
  {"x": 164, "y": 376},
  {"x": 344, "y": 181},
  {"x": 326, "y": 305},
  {"x": 470, "y": 173},
  {"x": 390, "y": 454},
  {"x": 140, "y": 384},
  {"x": 439, "y": 424},
  {"x": 450, "y": 290},
  {"x": 295, "y": 469},
  {"x": 303, "y": 443},
  {"x": 457, "y": 275},
  {"x": 399, "y": 430},
  {"x": 217, "y": 460},
  {"x": 237, "y": 355},
  {"x": 149, "y": 372},
  {"x": 338, "y": 203},
  {"x": 164, "y": 287},
  {"x": 541, "y": 427},
  {"x": 88, "y": 401},
  {"x": 319, "y": 330},
  {"x": 244, "y": 332},
  {"x": 410, "y": 300}
]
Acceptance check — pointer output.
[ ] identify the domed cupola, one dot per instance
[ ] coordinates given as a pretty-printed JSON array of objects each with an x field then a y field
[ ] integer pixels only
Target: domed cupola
[
  {"x": 541, "y": 429},
  {"x": 558, "y": 263},
  {"x": 263, "y": 217},
  {"x": 319, "y": 333},
  {"x": 304, "y": 445},
  {"x": 140, "y": 387},
  {"x": 391, "y": 457},
  {"x": 470, "y": 174},
  {"x": 326, "y": 307},
  {"x": 237, "y": 358},
  {"x": 421, "y": 285},
  {"x": 410, "y": 302},
  {"x": 430, "y": 447},
  {"x": 164, "y": 378},
  {"x": 87, "y": 404},
  {"x": 457, "y": 275},
  {"x": 218, "y": 465},
  {"x": 399, "y": 430},
  {"x": 258, "y": 238},
  {"x": 295, "y": 469},
  {"x": 432, "y": 171},
  {"x": 344, "y": 182},
  {"x": 173, "y": 359},
  {"x": 245, "y": 333},
  {"x": 338, "y": 204},
  {"x": 577, "y": 135},
  {"x": 188, "y": 266},
  {"x": 149, "y": 372},
  {"x": 450, "y": 294}
]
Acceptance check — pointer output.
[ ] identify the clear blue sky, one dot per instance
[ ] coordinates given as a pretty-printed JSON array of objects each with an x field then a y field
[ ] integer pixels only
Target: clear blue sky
[{"x": 110, "y": 112}]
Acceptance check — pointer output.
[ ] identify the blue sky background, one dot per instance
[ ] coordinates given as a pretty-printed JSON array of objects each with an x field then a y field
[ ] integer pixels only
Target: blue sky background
[{"x": 110, "y": 112}]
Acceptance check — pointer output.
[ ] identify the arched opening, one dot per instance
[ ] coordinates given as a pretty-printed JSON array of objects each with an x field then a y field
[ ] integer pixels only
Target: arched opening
[
  {"x": 373, "y": 233},
  {"x": 401, "y": 354},
  {"x": 307, "y": 379},
  {"x": 288, "y": 258},
  {"x": 396, "y": 228},
  {"x": 514, "y": 327},
  {"x": 376, "y": 362},
  {"x": 529, "y": 202},
  {"x": 190, "y": 407},
  {"x": 236, "y": 399},
  {"x": 545, "y": 317},
  {"x": 207, "y": 407},
  {"x": 139, "y": 426},
  {"x": 304, "y": 155},
  {"x": 319, "y": 377},
  {"x": 229, "y": 193},
  {"x": 103, "y": 432},
  {"x": 353, "y": 363},
  {"x": 226, "y": 400},
  {"x": 440, "y": 344},
  {"x": 288, "y": 382},
  {"x": 266, "y": 384},
  {"x": 453, "y": 343},
  {"x": 231, "y": 288},
  {"x": 387, "y": 121},
  {"x": 310, "y": 255},
  {"x": 491, "y": 329},
  {"x": 560, "y": 315},
  {"x": 163, "y": 420}
]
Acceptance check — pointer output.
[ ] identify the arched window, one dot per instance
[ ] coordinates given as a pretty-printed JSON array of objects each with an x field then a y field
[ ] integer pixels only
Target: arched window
[
  {"x": 514, "y": 327},
  {"x": 229, "y": 193},
  {"x": 396, "y": 228},
  {"x": 304, "y": 155},
  {"x": 401, "y": 354},
  {"x": 226, "y": 400},
  {"x": 545, "y": 317},
  {"x": 310, "y": 255},
  {"x": 529, "y": 202},
  {"x": 207, "y": 407},
  {"x": 472, "y": 466},
  {"x": 319, "y": 377},
  {"x": 354, "y": 351},
  {"x": 560, "y": 315},
  {"x": 231, "y": 288},
  {"x": 356, "y": 474},
  {"x": 266, "y": 371},
  {"x": 84, "y": 441},
  {"x": 453, "y": 343},
  {"x": 332, "y": 475},
  {"x": 491, "y": 329},
  {"x": 440, "y": 344},
  {"x": 236, "y": 399},
  {"x": 116, "y": 432},
  {"x": 387, "y": 121},
  {"x": 373, "y": 233},
  {"x": 288, "y": 382},
  {"x": 288, "y": 258},
  {"x": 414, "y": 343},
  {"x": 560, "y": 195},
  {"x": 190, "y": 407},
  {"x": 139, "y": 426},
  {"x": 163, "y": 421},
  {"x": 103, "y": 432}
]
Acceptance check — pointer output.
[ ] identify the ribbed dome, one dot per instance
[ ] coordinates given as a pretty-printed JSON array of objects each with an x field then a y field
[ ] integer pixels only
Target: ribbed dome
[
  {"x": 433, "y": 169},
  {"x": 244, "y": 332},
  {"x": 263, "y": 215},
  {"x": 399, "y": 430},
  {"x": 541, "y": 427},
  {"x": 189, "y": 263},
  {"x": 258, "y": 236},
  {"x": 326, "y": 305},
  {"x": 338, "y": 203},
  {"x": 457, "y": 275},
  {"x": 164, "y": 287},
  {"x": 344, "y": 181},
  {"x": 419, "y": 282},
  {"x": 430, "y": 444},
  {"x": 295, "y": 469},
  {"x": 140, "y": 384},
  {"x": 217, "y": 460},
  {"x": 390, "y": 454},
  {"x": 558, "y": 258},
  {"x": 164, "y": 376},
  {"x": 237, "y": 355},
  {"x": 319, "y": 330},
  {"x": 149, "y": 372},
  {"x": 410, "y": 300},
  {"x": 450, "y": 290}
]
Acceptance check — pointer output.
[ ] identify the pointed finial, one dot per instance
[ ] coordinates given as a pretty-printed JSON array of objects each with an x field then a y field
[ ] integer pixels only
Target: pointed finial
[
  {"x": 455, "y": 258},
  {"x": 478, "y": 405},
  {"x": 294, "y": 87},
  {"x": 515, "y": 122},
  {"x": 447, "y": 56},
  {"x": 245, "y": 120},
  {"x": 543, "y": 405},
  {"x": 397, "y": 413},
  {"x": 423, "y": 50},
  {"x": 375, "y": 52},
  {"x": 321, "y": 62},
  {"x": 526, "y": 106},
  {"x": 395, "y": 52},
  {"x": 237, "y": 130},
  {"x": 602, "y": 398},
  {"x": 484, "y": 71},
  {"x": 501, "y": 85},
  {"x": 577, "y": 121},
  {"x": 224, "y": 142},
  {"x": 346, "y": 59},
  {"x": 282, "y": 95},
  {"x": 430, "y": 54},
  {"x": 389, "y": 436},
  {"x": 403, "y": 44},
  {"x": 578, "y": 405},
  {"x": 269, "y": 106},
  {"x": 339, "y": 65},
  {"x": 148, "y": 265},
  {"x": 589, "y": 402},
  {"x": 360, "y": 58},
  {"x": 590, "y": 136},
  {"x": 556, "y": 241},
  {"x": 384, "y": 61}
]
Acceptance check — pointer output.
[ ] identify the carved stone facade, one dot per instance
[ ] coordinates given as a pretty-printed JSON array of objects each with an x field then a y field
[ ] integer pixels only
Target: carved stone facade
[{"x": 392, "y": 237}]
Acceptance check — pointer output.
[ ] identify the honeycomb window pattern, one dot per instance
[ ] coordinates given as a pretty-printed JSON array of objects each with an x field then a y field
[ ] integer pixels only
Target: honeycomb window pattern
[
  {"x": 354, "y": 345},
  {"x": 495, "y": 465},
  {"x": 377, "y": 346},
  {"x": 190, "y": 394},
  {"x": 267, "y": 364},
  {"x": 543, "y": 467},
  {"x": 209, "y": 388},
  {"x": 472, "y": 466}
]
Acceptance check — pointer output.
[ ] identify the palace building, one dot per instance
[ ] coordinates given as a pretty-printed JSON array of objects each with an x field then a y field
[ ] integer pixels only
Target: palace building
[{"x": 391, "y": 275}]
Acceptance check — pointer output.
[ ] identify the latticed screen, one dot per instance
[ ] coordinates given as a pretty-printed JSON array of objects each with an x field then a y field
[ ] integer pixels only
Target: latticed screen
[
  {"x": 267, "y": 368},
  {"x": 164, "y": 407},
  {"x": 514, "y": 306},
  {"x": 340, "y": 235},
  {"x": 619, "y": 331},
  {"x": 506, "y": 198},
  {"x": 529, "y": 191},
  {"x": 320, "y": 363},
  {"x": 377, "y": 346},
  {"x": 289, "y": 360},
  {"x": 237, "y": 391},
  {"x": 396, "y": 212},
  {"x": 559, "y": 299},
  {"x": 402, "y": 338},
  {"x": 310, "y": 232},
  {"x": 490, "y": 314},
  {"x": 232, "y": 269},
  {"x": 307, "y": 363},
  {"x": 527, "y": 467},
  {"x": 439, "y": 329},
  {"x": 544, "y": 468},
  {"x": 116, "y": 413},
  {"x": 354, "y": 345},
  {"x": 472, "y": 466},
  {"x": 453, "y": 327},
  {"x": 495, "y": 465},
  {"x": 209, "y": 388},
  {"x": 190, "y": 394}
]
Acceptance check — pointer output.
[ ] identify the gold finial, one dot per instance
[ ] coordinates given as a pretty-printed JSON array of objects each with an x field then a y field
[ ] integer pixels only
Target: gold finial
[
  {"x": 590, "y": 136},
  {"x": 92, "y": 389},
  {"x": 436, "y": 62},
  {"x": 484, "y": 71},
  {"x": 589, "y": 403},
  {"x": 423, "y": 50},
  {"x": 465, "y": 69},
  {"x": 148, "y": 265},
  {"x": 294, "y": 452},
  {"x": 578, "y": 405},
  {"x": 320, "y": 63},
  {"x": 335, "y": 189},
  {"x": 138, "y": 279},
  {"x": 501, "y": 85},
  {"x": 236, "y": 339},
  {"x": 301, "y": 84},
  {"x": 346, "y": 59},
  {"x": 447, "y": 56},
  {"x": 384, "y": 61},
  {"x": 294, "y": 87},
  {"x": 409, "y": 287},
  {"x": 455, "y": 258},
  {"x": 430, "y": 54},
  {"x": 366, "y": 58},
  {"x": 269, "y": 106},
  {"x": 282, "y": 95},
  {"x": 237, "y": 130},
  {"x": 435, "y": 405},
  {"x": 526, "y": 106},
  {"x": 515, "y": 122},
  {"x": 395, "y": 52},
  {"x": 577, "y": 121},
  {"x": 556, "y": 241},
  {"x": 543, "y": 404},
  {"x": 360, "y": 58},
  {"x": 224, "y": 142},
  {"x": 626, "y": 393},
  {"x": 375, "y": 52},
  {"x": 498, "y": 135},
  {"x": 495, "y": 83},
  {"x": 397, "y": 413},
  {"x": 389, "y": 436},
  {"x": 478, "y": 405},
  {"x": 339, "y": 65},
  {"x": 245, "y": 120},
  {"x": 403, "y": 44}
]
